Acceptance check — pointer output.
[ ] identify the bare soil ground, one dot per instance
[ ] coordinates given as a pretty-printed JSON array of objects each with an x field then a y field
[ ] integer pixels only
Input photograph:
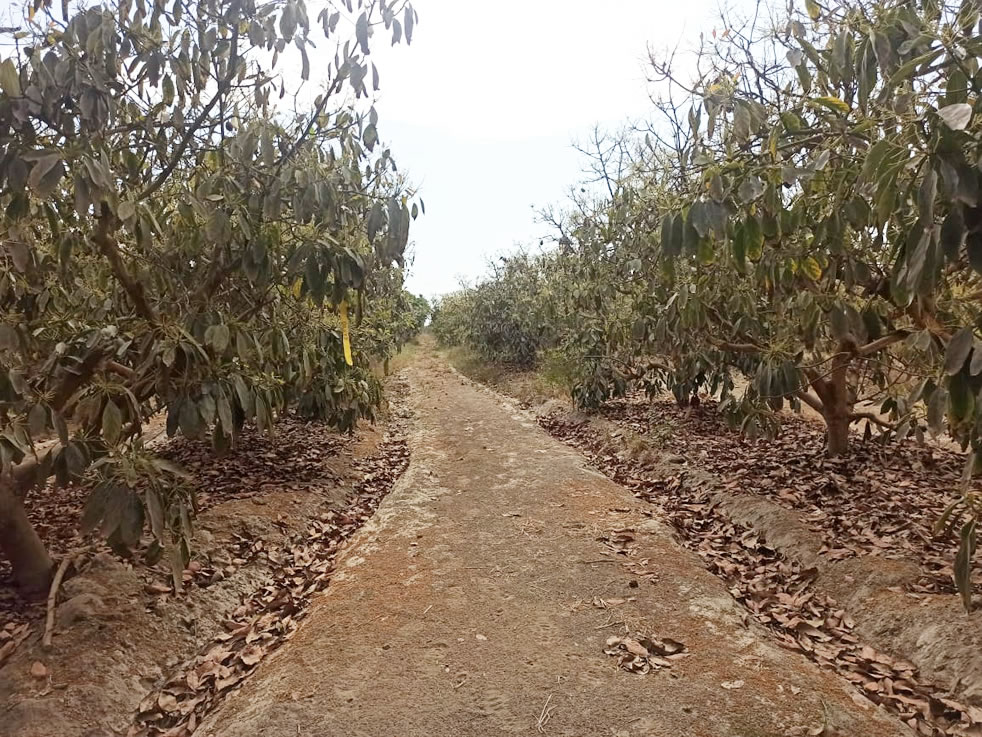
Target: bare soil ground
[
  {"x": 503, "y": 587},
  {"x": 273, "y": 514},
  {"x": 837, "y": 558}
]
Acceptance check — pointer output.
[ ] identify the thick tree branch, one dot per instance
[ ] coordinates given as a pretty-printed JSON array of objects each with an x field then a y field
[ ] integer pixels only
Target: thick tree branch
[
  {"x": 120, "y": 370},
  {"x": 872, "y": 418},
  {"x": 107, "y": 244},
  {"x": 737, "y": 347},
  {"x": 812, "y": 401},
  {"x": 885, "y": 342}
]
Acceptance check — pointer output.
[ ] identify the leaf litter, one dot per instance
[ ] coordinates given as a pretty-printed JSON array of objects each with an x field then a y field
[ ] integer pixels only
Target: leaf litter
[
  {"x": 292, "y": 460},
  {"x": 882, "y": 499},
  {"x": 270, "y": 617},
  {"x": 643, "y": 654},
  {"x": 775, "y": 590}
]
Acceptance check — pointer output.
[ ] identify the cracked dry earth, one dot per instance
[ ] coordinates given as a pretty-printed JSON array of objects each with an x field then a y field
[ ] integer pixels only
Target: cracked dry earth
[{"x": 485, "y": 595}]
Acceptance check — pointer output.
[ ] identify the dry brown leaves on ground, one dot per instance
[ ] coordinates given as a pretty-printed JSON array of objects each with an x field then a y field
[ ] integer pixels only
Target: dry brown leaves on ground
[
  {"x": 291, "y": 460},
  {"x": 777, "y": 591},
  {"x": 270, "y": 617},
  {"x": 882, "y": 499},
  {"x": 642, "y": 654}
]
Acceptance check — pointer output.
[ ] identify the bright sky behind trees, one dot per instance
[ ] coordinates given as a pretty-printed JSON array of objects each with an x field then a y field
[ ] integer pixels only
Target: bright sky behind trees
[{"x": 483, "y": 108}]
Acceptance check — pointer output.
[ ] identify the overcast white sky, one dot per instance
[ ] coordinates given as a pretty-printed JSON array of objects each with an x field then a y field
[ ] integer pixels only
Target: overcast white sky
[{"x": 483, "y": 107}]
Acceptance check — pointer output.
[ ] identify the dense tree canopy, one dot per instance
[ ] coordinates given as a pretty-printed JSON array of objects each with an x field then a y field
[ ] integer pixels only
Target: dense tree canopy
[
  {"x": 178, "y": 239},
  {"x": 798, "y": 225}
]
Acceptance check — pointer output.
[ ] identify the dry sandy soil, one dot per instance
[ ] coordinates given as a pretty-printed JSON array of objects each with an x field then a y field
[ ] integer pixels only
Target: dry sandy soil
[{"x": 503, "y": 587}]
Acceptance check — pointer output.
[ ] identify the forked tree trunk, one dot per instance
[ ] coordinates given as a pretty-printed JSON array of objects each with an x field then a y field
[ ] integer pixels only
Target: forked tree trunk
[
  {"x": 21, "y": 545},
  {"x": 837, "y": 404}
]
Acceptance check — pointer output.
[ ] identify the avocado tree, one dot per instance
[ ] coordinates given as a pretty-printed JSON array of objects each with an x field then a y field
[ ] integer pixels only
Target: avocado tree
[
  {"x": 806, "y": 219},
  {"x": 176, "y": 239}
]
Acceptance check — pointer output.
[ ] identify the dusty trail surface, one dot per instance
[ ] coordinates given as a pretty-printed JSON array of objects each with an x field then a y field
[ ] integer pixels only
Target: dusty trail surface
[{"x": 480, "y": 599}]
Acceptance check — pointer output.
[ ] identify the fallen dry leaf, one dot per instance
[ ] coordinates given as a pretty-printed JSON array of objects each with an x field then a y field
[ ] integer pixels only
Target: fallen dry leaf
[
  {"x": 167, "y": 702},
  {"x": 251, "y": 655},
  {"x": 6, "y": 649}
]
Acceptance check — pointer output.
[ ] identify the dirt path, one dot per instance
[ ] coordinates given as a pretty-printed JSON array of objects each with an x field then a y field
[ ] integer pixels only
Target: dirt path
[{"x": 479, "y": 599}]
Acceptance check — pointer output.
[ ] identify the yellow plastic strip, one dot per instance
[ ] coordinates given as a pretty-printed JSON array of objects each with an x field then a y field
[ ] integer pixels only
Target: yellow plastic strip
[{"x": 345, "y": 337}]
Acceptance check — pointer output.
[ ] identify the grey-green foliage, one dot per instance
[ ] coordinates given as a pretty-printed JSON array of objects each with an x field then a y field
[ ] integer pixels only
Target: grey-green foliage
[{"x": 176, "y": 239}]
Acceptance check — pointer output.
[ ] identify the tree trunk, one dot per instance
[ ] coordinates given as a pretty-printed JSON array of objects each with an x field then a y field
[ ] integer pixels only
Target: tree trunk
[
  {"x": 837, "y": 435},
  {"x": 836, "y": 403},
  {"x": 21, "y": 545}
]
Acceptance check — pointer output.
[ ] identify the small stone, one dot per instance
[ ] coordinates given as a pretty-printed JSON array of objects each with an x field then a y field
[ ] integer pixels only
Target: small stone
[
  {"x": 80, "y": 608},
  {"x": 39, "y": 670}
]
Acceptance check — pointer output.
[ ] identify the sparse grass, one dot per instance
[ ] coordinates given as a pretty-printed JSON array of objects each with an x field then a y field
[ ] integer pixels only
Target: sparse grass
[
  {"x": 531, "y": 386},
  {"x": 405, "y": 356}
]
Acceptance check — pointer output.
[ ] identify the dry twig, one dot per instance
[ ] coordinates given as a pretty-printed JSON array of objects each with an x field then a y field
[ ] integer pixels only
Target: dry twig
[{"x": 49, "y": 624}]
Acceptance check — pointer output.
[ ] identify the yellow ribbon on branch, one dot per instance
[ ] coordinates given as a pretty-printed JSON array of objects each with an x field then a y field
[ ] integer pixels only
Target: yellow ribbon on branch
[{"x": 345, "y": 336}]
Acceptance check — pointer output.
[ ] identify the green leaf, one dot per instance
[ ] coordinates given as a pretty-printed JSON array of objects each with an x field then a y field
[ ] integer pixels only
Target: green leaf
[
  {"x": 155, "y": 508},
  {"x": 705, "y": 252},
  {"x": 408, "y": 19},
  {"x": 953, "y": 233},
  {"x": 739, "y": 246},
  {"x": 126, "y": 210},
  {"x": 905, "y": 70},
  {"x": 831, "y": 103},
  {"x": 812, "y": 268},
  {"x": 963, "y": 563},
  {"x": 95, "y": 507},
  {"x": 677, "y": 236},
  {"x": 361, "y": 33},
  {"x": 755, "y": 238},
  {"x": 288, "y": 21},
  {"x": 218, "y": 229},
  {"x": 189, "y": 419},
  {"x": 112, "y": 422},
  {"x": 370, "y": 137},
  {"x": 814, "y": 11},
  {"x": 9, "y": 78},
  {"x": 957, "y": 351},
  {"x": 875, "y": 158},
  {"x": 46, "y": 173},
  {"x": 699, "y": 218},
  {"x": 935, "y": 411},
  {"x": 218, "y": 337},
  {"x": 245, "y": 396},
  {"x": 131, "y": 521},
  {"x": 37, "y": 419},
  {"x": 961, "y": 401}
]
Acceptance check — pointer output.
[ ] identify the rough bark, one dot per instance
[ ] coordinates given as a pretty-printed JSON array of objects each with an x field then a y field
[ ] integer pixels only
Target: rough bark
[
  {"x": 837, "y": 435},
  {"x": 21, "y": 545},
  {"x": 836, "y": 401}
]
